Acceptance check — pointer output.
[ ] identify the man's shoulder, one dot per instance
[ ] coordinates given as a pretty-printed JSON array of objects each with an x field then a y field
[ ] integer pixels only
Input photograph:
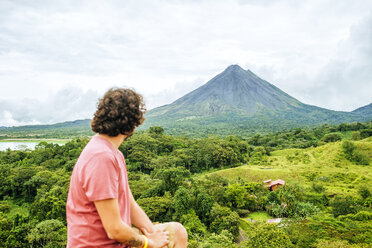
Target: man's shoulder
[
  {"x": 97, "y": 150},
  {"x": 99, "y": 146}
]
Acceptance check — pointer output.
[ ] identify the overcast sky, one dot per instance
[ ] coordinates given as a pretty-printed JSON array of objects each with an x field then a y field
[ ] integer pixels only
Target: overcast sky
[{"x": 58, "y": 57}]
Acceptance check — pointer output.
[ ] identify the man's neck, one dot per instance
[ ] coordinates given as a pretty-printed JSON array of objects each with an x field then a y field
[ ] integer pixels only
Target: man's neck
[{"x": 115, "y": 141}]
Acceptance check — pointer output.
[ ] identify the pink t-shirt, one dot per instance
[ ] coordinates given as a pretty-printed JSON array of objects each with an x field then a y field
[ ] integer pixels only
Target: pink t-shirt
[{"x": 100, "y": 173}]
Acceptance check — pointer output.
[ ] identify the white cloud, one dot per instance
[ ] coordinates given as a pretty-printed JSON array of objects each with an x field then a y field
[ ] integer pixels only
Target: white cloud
[
  {"x": 343, "y": 82},
  {"x": 166, "y": 48},
  {"x": 65, "y": 105}
]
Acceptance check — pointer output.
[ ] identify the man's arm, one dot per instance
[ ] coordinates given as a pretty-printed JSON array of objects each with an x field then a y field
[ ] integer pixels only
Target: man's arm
[
  {"x": 116, "y": 229},
  {"x": 139, "y": 218}
]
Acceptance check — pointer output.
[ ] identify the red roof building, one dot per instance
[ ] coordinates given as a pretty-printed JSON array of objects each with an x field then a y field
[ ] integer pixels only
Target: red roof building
[{"x": 272, "y": 185}]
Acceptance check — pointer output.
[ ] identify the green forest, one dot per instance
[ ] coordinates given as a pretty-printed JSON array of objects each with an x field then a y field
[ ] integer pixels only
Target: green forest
[{"x": 212, "y": 185}]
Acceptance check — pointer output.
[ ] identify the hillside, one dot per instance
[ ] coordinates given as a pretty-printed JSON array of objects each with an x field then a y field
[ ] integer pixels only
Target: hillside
[
  {"x": 325, "y": 165},
  {"x": 66, "y": 129},
  {"x": 366, "y": 110}
]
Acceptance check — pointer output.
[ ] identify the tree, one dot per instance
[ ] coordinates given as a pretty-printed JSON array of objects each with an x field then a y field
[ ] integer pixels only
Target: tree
[
  {"x": 21, "y": 229},
  {"x": 348, "y": 148},
  {"x": 322, "y": 243},
  {"x": 236, "y": 196},
  {"x": 5, "y": 182},
  {"x": 48, "y": 233},
  {"x": 6, "y": 225},
  {"x": 222, "y": 240},
  {"x": 163, "y": 162},
  {"x": 195, "y": 228},
  {"x": 224, "y": 156},
  {"x": 267, "y": 236},
  {"x": 172, "y": 178},
  {"x": 182, "y": 202},
  {"x": 19, "y": 177},
  {"x": 224, "y": 219},
  {"x": 44, "y": 177},
  {"x": 331, "y": 137},
  {"x": 156, "y": 130},
  {"x": 203, "y": 206},
  {"x": 50, "y": 204},
  {"x": 157, "y": 208}
]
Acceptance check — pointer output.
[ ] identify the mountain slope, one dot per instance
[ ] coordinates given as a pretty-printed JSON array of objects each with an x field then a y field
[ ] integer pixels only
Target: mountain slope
[
  {"x": 365, "y": 110},
  {"x": 239, "y": 102},
  {"x": 234, "y": 90},
  {"x": 66, "y": 129}
]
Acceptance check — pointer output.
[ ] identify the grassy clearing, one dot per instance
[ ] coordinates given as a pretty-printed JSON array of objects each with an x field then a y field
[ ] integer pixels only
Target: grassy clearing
[
  {"x": 259, "y": 216},
  {"x": 325, "y": 165}
]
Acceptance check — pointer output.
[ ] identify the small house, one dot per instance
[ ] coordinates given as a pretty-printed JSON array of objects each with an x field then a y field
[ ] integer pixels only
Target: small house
[{"x": 272, "y": 185}]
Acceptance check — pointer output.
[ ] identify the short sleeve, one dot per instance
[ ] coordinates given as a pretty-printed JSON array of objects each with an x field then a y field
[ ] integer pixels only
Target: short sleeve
[{"x": 101, "y": 178}]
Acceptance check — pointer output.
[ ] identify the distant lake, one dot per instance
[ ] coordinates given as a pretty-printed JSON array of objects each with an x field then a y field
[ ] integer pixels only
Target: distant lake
[
  {"x": 27, "y": 144},
  {"x": 17, "y": 145}
]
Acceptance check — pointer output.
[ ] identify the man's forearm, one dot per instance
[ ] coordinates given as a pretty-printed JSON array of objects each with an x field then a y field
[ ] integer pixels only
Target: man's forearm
[
  {"x": 127, "y": 236},
  {"x": 115, "y": 228}
]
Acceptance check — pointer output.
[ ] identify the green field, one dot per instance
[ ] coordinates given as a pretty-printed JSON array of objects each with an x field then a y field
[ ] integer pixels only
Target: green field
[
  {"x": 325, "y": 165},
  {"x": 259, "y": 216}
]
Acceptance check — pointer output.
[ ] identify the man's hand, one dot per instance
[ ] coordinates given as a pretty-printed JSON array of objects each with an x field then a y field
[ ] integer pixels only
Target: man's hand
[{"x": 157, "y": 239}]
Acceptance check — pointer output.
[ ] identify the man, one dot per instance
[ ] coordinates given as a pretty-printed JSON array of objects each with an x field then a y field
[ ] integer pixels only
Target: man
[{"x": 100, "y": 206}]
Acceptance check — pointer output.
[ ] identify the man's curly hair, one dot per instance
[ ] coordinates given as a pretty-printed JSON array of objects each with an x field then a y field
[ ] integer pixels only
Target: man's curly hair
[{"x": 120, "y": 111}]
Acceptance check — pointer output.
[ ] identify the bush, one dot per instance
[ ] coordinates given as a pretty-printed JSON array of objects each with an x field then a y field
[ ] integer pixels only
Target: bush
[
  {"x": 157, "y": 207},
  {"x": 195, "y": 228},
  {"x": 243, "y": 212},
  {"x": 356, "y": 135},
  {"x": 365, "y": 133},
  {"x": 362, "y": 216},
  {"x": 348, "y": 147},
  {"x": 317, "y": 187},
  {"x": 273, "y": 197},
  {"x": 48, "y": 233},
  {"x": 222, "y": 240},
  {"x": 368, "y": 202},
  {"x": 316, "y": 199},
  {"x": 334, "y": 244},
  {"x": 4, "y": 207},
  {"x": 277, "y": 210},
  {"x": 331, "y": 137},
  {"x": 267, "y": 236},
  {"x": 361, "y": 158},
  {"x": 343, "y": 206},
  {"x": 364, "y": 192},
  {"x": 352, "y": 153},
  {"x": 224, "y": 219},
  {"x": 303, "y": 210}
]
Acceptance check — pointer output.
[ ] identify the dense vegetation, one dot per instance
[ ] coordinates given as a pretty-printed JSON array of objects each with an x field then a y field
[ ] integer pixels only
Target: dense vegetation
[{"x": 212, "y": 185}]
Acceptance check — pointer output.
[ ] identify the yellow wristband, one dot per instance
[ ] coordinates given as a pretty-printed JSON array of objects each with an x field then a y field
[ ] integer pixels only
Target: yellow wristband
[{"x": 146, "y": 241}]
